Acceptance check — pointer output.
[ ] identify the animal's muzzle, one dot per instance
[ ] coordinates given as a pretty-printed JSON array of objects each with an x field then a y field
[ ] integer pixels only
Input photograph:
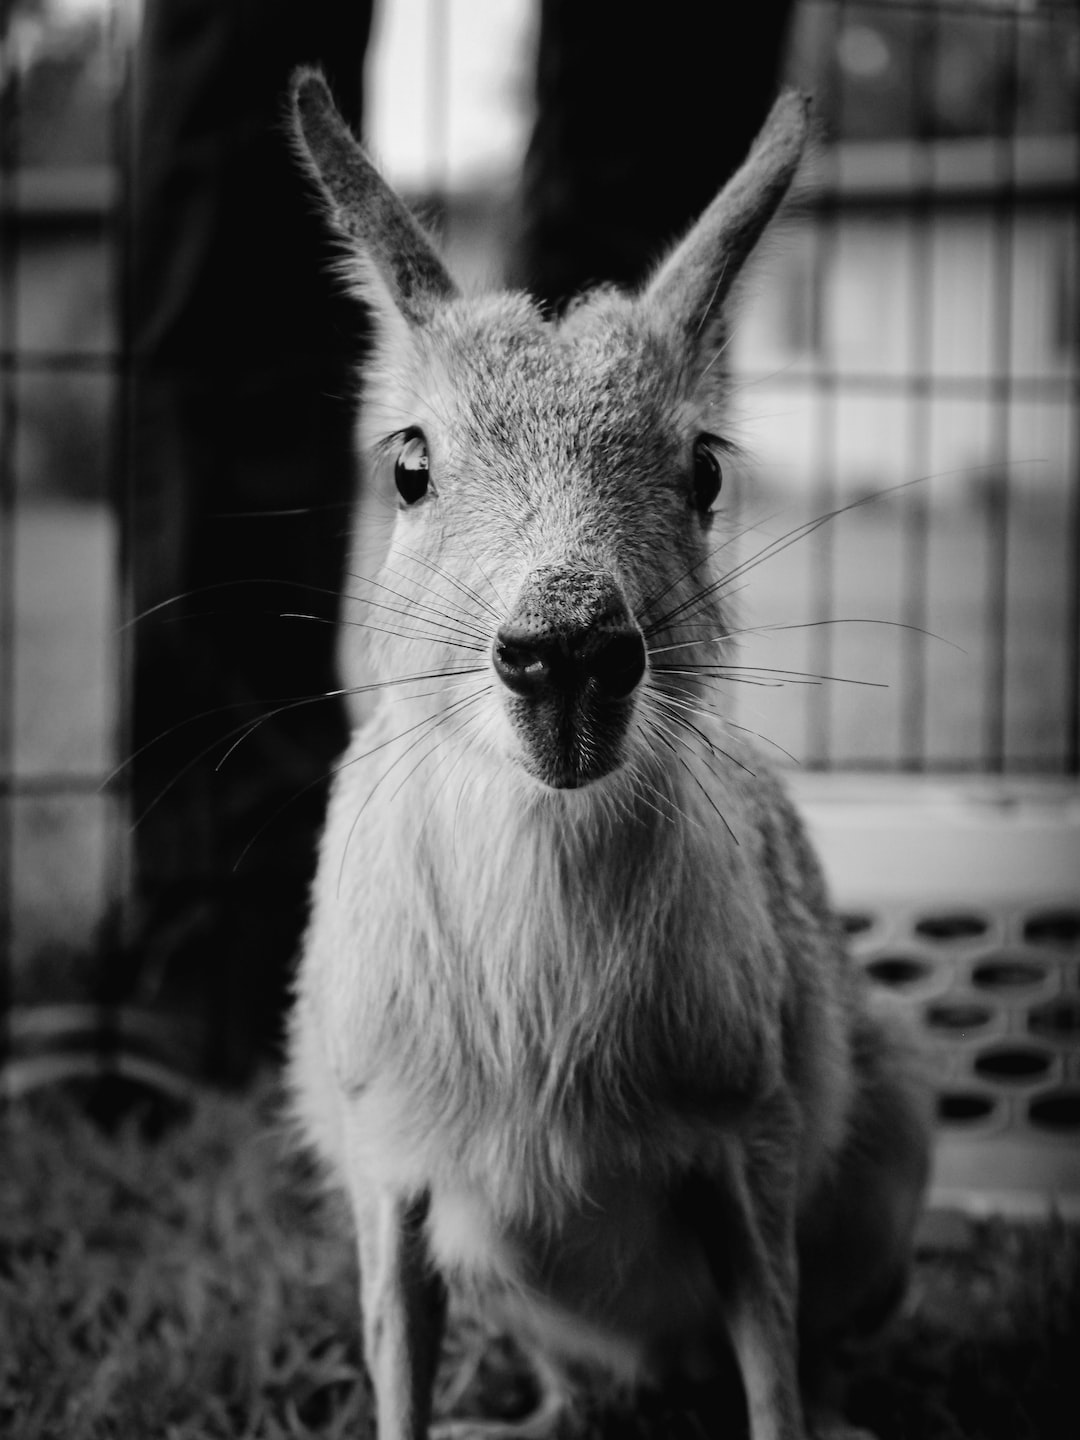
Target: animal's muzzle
[{"x": 570, "y": 634}]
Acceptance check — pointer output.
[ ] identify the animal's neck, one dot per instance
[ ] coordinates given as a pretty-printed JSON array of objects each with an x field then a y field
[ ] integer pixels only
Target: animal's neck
[
  {"x": 575, "y": 952},
  {"x": 531, "y": 960},
  {"x": 572, "y": 902},
  {"x": 587, "y": 854}
]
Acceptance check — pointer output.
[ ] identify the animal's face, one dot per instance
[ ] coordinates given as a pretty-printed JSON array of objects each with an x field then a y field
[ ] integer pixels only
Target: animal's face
[
  {"x": 544, "y": 490},
  {"x": 552, "y": 490}
]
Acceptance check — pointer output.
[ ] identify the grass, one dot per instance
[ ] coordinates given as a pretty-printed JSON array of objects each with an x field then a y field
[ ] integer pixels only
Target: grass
[{"x": 193, "y": 1281}]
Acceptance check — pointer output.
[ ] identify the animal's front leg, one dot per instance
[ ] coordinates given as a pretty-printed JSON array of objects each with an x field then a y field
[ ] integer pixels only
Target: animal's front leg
[
  {"x": 744, "y": 1216},
  {"x": 761, "y": 1321},
  {"x": 403, "y": 1303}
]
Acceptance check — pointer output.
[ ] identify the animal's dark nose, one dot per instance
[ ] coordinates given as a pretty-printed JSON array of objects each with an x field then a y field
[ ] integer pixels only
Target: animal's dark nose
[{"x": 532, "y": 658}]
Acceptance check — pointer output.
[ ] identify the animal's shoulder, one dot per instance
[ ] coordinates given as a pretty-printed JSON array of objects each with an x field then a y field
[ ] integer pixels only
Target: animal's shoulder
[{"x": 790, "y": 869}]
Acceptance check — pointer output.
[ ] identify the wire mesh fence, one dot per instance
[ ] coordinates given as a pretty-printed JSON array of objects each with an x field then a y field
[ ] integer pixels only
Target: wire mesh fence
[
  {"x": 916, "y": 332},
  {"x": 935, "y": 343}
]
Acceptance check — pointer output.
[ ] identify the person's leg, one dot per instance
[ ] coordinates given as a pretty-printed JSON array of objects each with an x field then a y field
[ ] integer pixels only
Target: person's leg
[
  {"x": 643, "y": 111},
  {"x": 242, "y": 347}
]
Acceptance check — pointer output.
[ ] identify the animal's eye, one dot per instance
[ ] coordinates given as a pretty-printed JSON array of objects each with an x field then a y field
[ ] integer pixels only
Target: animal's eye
[
  {"x": 708, "y": 477},
  {"x": 411, "y": 468}
]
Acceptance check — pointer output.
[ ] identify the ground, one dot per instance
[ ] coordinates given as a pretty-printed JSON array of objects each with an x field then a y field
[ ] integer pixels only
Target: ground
[{"x": 184, "y": 1276}]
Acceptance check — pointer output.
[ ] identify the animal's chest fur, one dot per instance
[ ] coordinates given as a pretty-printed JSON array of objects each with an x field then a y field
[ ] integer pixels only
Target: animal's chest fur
[
  {"x": 527, "y": 1008},
  {"x": 619, "y": 1275}
]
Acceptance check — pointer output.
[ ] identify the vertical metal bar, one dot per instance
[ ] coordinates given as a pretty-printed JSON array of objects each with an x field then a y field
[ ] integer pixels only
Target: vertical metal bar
[
  {"x": 819, "y": 710},
  {"x": 1071, "y": 749},
  {"x": 915, "y": 539},
  {"x": 1007, "y": 39},
  {"x": 118, "y": 40},
  {"x": 823, "y": 565},
  {"x": 438, "y": 113},
  {"x": 9, "y": 240},
  {"x": 1072, "y": 528}
]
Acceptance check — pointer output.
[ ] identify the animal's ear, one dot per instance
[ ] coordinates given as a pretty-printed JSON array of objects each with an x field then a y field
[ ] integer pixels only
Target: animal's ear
[
  {"x": 362, "y": 206},
  {"x": 689, "y": 288}
]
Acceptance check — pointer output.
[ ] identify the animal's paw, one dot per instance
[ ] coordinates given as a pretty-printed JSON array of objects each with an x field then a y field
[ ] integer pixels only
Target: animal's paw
[
  {"x": 551, "y": 1420},
  {"x": 553, "y": 1417},
  {"x": 835, "y": 1428}
]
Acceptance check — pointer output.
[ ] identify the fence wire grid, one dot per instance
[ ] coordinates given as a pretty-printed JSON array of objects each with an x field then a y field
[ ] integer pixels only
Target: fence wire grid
[{"x": 919, "y": 320}]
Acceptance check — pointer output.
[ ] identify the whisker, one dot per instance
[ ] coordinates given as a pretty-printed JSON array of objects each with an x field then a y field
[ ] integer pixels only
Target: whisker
[
  {"x": 641, "y": 784},
  {"x": 712, "y": 803},
  {"x": 709, "y": 674},
  {"x": 762, "y": 380},
  {"x": 720, "y": 670},
  {"x": 720, "y": 350},
  {"x": 215, "y": 585},
  {"x": 789, "y": 538},
  {"x": 671, "y": 746},
  {"x": 729, "y": 539},
  {"x": 218, "y": 740},
  {"x": 330, "y": 774},
  {"x": 687, "y": 700},
  {"x": 254, "y": 725},
  {"x": 450, "y": 607},
  {"x": 803, "y": 625},
  {"x": 458, "y": 758},
  {"x": 279, "y": 708},
  {"x": 763, "y": 738},
  {"x": 715, "y": 749},
  {"x": 447, "y": 740},
  {"x": 454, "y": 580},
  {"x": 279, "y": 514},
  {"x": 336, "y": 621},
  {"x": 432, "y": 723},
  {"x": 414, "y": 635},
  {"x": 414, "y": 604},
  {"x": 443, "y": 689},
  {"x": 706, "y": 310},
  {"x": 336, "y": 595},
  {"x": 490, "y": 583},
  {"x": 843, "y": 620}
]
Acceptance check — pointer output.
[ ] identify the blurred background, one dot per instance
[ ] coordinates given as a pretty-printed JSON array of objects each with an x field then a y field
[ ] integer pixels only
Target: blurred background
[{"x": 174, "y": 416}]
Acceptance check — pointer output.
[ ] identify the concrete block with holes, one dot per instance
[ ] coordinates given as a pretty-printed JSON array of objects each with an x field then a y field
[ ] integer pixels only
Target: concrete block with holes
[{"x": 962, "y": 900}]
